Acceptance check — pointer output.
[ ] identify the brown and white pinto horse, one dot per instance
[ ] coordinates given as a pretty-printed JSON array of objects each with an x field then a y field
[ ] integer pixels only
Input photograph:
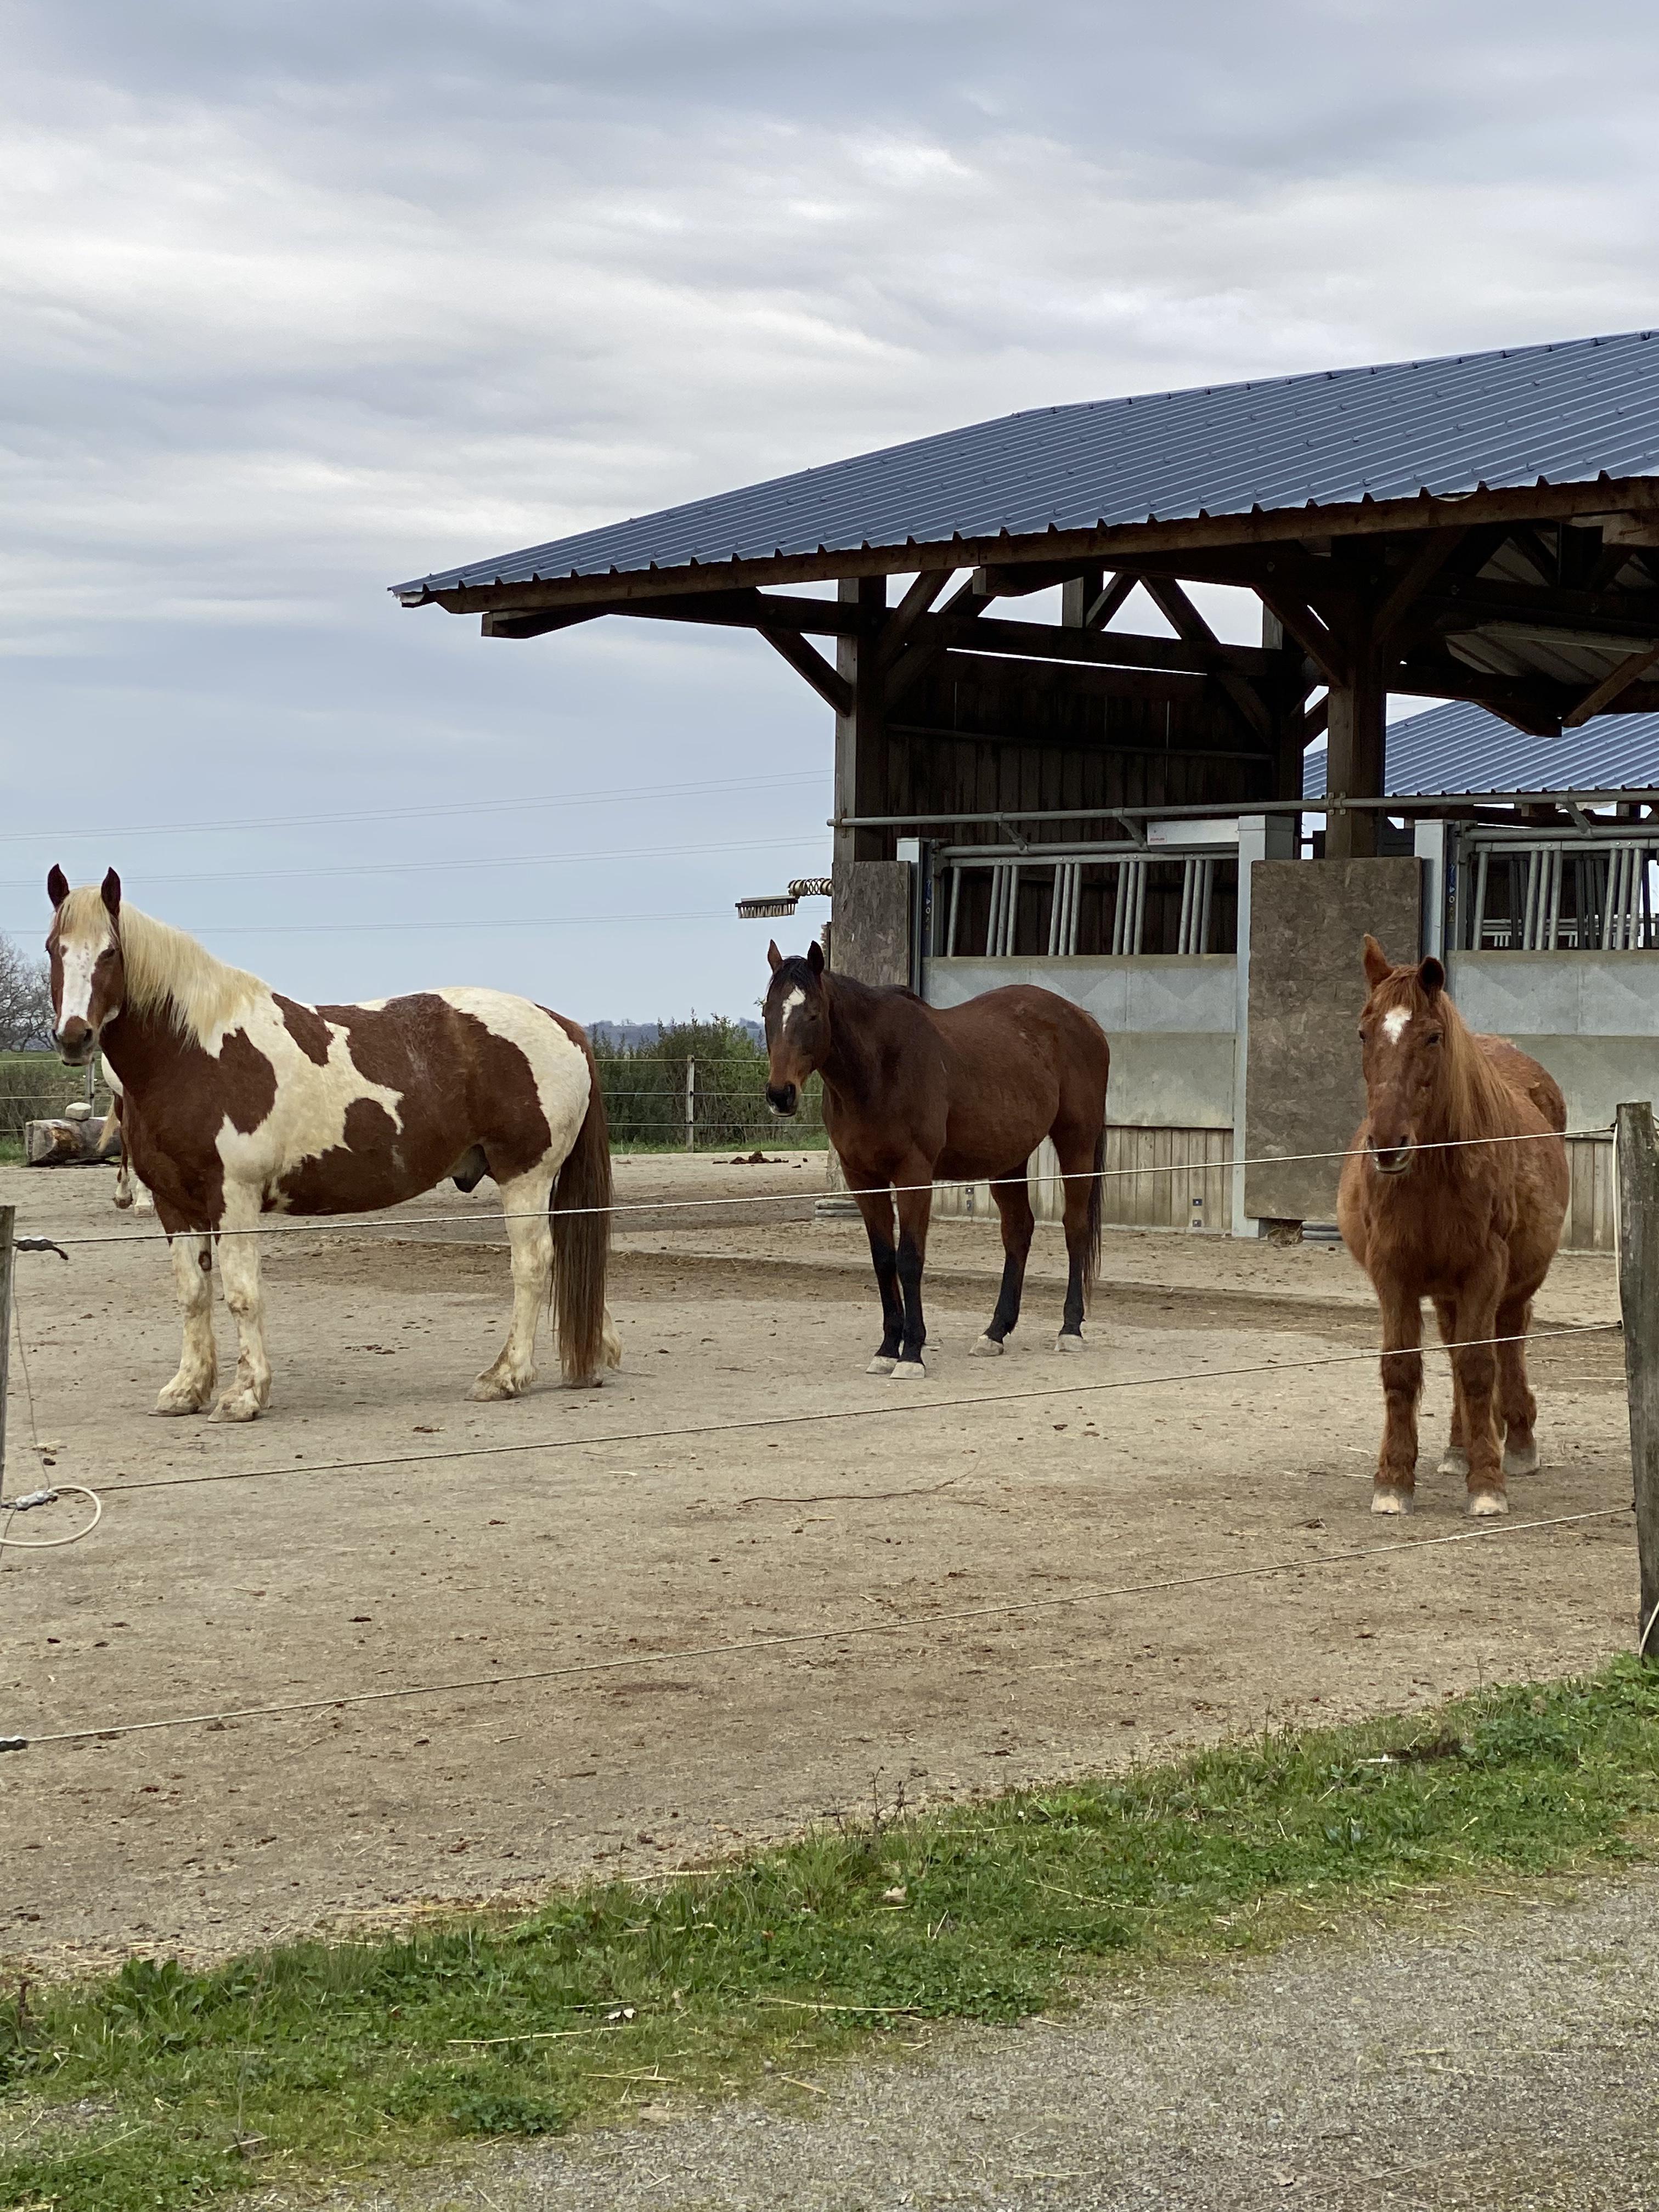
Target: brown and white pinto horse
[
  {"x": 236, "y": 1102},
  {"x": 1474, "y": 1227},
  {"x": 913, "y": 1091}
]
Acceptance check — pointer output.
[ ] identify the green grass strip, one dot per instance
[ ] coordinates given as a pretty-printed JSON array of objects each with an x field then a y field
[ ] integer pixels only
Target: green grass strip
[{"x": 162, "y": 2088}]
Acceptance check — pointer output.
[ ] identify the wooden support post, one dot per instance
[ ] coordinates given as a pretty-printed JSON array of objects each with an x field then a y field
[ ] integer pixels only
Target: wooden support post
[
  {"x": 8, "y": 1261},
  {"x": 1638, "y": 1299},
  {"x": 1077, "y": 596},
  {"x": 1356, "y": 745},
  {"x": 861, "y": 734}
]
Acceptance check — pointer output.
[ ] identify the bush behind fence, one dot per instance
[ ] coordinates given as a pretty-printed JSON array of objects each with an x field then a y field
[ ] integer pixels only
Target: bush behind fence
[{"x": 645, "y": 1092}]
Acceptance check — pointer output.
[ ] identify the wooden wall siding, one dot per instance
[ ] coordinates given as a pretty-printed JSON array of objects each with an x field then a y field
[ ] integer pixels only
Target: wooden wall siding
[
  {"x": 1593, "y": 1209},
  {"x": 1137, "y": 1200}
]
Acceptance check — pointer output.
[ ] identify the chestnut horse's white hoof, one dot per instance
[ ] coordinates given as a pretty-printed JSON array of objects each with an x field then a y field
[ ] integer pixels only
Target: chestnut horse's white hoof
[
  {"x": 986, "y": 1347},
  {"x": 909, "y": 1371},
  {"x": 1484, "y": 1504},
  {"x": 1069, "y": 1341},
  {"x": 1520, "y": 1459},
  {"x": 879, "y": 1365},
  {"x": 1453, "y": 1461},
  {"x": 1389, "y": 1497}
]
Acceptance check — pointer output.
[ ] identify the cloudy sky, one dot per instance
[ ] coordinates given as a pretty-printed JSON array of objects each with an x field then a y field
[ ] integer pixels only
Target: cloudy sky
[{"x": 299, "y": 301}]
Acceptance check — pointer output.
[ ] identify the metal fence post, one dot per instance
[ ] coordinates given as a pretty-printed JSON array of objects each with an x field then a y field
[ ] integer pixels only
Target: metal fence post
[
  {"x": 690, "y": 1105},
  {"x": 7, "y": 1226},
  {"x": 1638, "y": 1299}
]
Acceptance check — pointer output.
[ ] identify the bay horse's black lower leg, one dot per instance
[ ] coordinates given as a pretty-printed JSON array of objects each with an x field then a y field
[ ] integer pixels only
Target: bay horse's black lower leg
[
  {"x": 878, "y": 1211},
  {"x": 1013, "y": 1201},
  {"x": 1080, "y": 1158},
  {"x": 913, "y": 1206}
]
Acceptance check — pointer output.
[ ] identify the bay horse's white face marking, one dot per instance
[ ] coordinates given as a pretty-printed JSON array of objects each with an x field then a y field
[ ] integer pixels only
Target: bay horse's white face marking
[
  {"x": 795, "y": 998},
  {"x": 797, "y": 1026}
]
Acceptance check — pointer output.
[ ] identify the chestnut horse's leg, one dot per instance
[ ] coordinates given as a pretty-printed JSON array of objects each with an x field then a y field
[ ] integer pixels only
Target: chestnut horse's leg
[
  {"x": 1517, "y": 1404},
  {"x": 1013, "y": 1198},
  {"x": 1402, "y": 1386},
  {"x": 914, "y": 1179},
  {"x": 191, "y": 1390},
  {"x": 1454, "y": 1460},
  {"x": 877, "y": 1207},
  {"x": 239, "y": 1269},
  {"x": 1475, "y": 1363}
]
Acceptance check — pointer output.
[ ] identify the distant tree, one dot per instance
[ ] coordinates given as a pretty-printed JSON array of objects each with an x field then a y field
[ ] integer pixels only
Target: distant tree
[{"x": 25, "y": 1000}]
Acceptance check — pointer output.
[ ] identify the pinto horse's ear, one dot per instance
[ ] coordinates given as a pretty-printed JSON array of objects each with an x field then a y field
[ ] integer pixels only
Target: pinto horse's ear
[
  {"x": 57, "y": 887},
  {"x": 111, "y": 894},
  {"x": 1378, "y": 968},
  {"x": 775, "y": 958},
  {"x": 815, "y": 957},
  {"x": 1432, "y": 977}
]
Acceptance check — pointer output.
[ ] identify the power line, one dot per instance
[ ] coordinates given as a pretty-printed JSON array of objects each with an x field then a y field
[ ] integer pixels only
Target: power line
[{"x": 843, "y": 1633}]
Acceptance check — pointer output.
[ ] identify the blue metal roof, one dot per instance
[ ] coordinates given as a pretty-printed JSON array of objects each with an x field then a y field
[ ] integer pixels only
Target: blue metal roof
[
  {"x": 1561, "y": 414},
  {"x": 1460, "y": 748}
]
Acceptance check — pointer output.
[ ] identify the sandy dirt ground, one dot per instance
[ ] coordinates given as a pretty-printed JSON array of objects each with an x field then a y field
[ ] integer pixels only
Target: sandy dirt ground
[{"x": 310, "y": 1580}]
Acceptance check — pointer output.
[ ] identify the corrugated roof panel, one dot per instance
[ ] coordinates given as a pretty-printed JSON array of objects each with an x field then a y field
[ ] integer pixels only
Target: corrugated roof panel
[
  {"x": 1564, "y": 413},
  {"x": 1462, "y": 747}
]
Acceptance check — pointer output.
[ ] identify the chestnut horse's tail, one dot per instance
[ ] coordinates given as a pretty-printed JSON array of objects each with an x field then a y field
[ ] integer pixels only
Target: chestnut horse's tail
[
  {"x": 580, "y": 1211},
  {"x": 1096, "y": 1207}
]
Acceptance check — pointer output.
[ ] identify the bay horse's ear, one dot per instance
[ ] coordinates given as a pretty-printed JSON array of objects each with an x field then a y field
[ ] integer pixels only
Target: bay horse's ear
[
  {"x": 1432, "y": 977},
  {"x": 773, "y": 957},
  {"x": 57, "y": 887},
  {"x": 1378, "y": 966},
  {"x": 815, "y": 957},
  {"x": 110, "y": 893}
]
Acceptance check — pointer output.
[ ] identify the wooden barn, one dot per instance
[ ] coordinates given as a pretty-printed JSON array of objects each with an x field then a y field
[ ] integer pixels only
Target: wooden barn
[{"x": 1125, "y": 816}]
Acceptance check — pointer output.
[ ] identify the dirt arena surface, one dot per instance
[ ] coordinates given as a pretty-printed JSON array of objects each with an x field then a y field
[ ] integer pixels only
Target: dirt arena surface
[{"x": 310, "y": 1581}]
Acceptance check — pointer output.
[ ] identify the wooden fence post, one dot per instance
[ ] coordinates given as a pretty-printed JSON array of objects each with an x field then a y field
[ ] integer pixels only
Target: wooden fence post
[
  {"x": 1638, "y": 1299},
  {"x": 7, "y": 1226},
  {"x": 690, "y": 1105}
]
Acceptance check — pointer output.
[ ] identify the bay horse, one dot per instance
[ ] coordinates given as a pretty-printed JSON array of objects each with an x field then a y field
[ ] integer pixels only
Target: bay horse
[
  {"x": 1474, "y": 1227},
  {"x": 912, "y": 1093},
  {"x": 236, "y": 1102}
]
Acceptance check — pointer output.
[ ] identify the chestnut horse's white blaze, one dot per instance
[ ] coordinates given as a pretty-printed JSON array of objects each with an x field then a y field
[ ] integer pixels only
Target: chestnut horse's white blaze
[{"x": 237, "y": 1103}]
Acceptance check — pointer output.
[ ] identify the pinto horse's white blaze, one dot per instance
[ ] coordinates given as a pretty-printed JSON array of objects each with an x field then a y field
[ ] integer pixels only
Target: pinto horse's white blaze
[
  {"x": 81, "y": 956},
  {"x": 1394, "y": 1023}
]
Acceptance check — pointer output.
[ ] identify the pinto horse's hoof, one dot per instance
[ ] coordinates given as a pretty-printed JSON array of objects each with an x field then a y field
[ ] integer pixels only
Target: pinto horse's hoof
[
  {"x": 1455, "y": 1461},
  {"x": 909, "y": 1371},
  {"x": 881, "y": 1365},
  {"x": 174, "y": 1400},
  {"x": 1070, "y": 1341},
  {"x": 988, "y": 1347},
  {"x": 492, "y": 1386},
  {"x": 1389, "y": 1497},
  {"x": 1484, "y": 1504},
  {"x": 1520, "y": 1459},
  {"x": 238, "y": 1406}
]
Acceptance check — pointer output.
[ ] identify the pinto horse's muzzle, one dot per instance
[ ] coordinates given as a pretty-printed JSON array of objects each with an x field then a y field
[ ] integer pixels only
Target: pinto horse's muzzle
[
  {"x": 783, "y": 1098},
  {"x": 76, "y": 1041}
]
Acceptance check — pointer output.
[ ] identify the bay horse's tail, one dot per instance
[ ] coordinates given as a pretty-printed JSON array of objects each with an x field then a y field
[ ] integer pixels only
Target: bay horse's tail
[
  {"x": 580, "y": 1211},
  {"x": 1096, "y": 1207}
]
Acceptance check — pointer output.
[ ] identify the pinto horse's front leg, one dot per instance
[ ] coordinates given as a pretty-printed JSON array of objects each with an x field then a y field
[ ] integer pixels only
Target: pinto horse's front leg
[
  {"x": 877, "y": 1207},
  {"x": 239, "y": 1268},
  {"x": 191, "y": 1390},
  {"x": 529, "y": 1233}
]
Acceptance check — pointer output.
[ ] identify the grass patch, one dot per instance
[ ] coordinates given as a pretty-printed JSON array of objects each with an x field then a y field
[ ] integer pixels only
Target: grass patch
[{"x": 162, "y": 2088}]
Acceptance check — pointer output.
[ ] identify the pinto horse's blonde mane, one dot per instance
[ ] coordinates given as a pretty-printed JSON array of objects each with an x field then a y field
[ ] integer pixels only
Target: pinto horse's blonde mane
[
  {"x": 1480, "y": 1102},
  {"x": 168, "y": 974}
]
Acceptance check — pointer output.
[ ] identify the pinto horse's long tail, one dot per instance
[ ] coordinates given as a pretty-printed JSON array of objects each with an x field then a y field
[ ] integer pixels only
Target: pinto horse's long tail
[
  {"x": 581, "y": 1237},
  {"x": 1096, "y": 1203}
]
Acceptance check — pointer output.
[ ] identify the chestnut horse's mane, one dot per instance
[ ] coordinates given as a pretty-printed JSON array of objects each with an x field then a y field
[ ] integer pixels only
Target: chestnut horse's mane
[
  {"x": 1482, "y": 1103},
  {"x": 168, "y": 973}
]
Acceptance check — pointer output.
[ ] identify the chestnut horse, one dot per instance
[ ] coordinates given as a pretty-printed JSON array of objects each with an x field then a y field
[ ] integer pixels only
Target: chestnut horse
[
  {"x": 236, "y": 1102},
  {"x": 1474, "y": 1227},
  {"x": 913, "y": 1091}
]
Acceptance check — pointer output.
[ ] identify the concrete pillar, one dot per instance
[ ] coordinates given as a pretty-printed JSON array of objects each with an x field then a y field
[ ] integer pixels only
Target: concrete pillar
[{"x": 1260, "y": 838}]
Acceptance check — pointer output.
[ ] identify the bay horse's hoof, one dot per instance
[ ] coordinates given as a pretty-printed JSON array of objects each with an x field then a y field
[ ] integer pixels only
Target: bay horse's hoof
[
  {"x": 1070, "y": 1341},
  {"x": 1484, "y": 1504},
  {"x": 1520, "y": 1459},
  {"x": 1455, "y": 1460},
  {"x": 1389, "y": 1497},
  {"x": 909, "y": 1371},
  {"x": 881, "y": 1365},
  {"x": 988, "y": 1347}
]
